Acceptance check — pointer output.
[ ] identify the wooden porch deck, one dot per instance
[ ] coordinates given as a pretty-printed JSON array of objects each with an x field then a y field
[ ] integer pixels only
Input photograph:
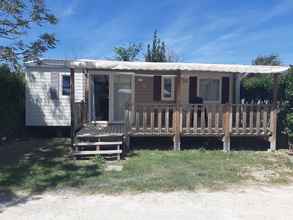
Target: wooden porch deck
[
  {"x": 94, "y": 130},
  {"x": 190, "y": 120},
  {"x": 202, "y": 120}
]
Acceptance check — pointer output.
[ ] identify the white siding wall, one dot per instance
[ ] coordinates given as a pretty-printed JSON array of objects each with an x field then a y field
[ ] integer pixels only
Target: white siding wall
[{"x": 41, "y": 110}]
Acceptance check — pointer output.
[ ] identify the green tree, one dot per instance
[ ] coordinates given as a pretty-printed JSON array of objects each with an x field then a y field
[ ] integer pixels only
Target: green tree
[
  {"x": 158, "y": 51},
  {"x": 12, "y": 96},
  {"x": 128, "y": 53},
  {"x": 17, "y": 19},
  {"x": 270, "y": 60},
  {"x": 259, "y": 86},
  {"x": 288, "y": 104}
]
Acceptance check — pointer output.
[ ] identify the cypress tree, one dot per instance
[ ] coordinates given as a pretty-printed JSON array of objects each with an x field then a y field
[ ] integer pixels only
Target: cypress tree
[{"x": 158, "y": 51}]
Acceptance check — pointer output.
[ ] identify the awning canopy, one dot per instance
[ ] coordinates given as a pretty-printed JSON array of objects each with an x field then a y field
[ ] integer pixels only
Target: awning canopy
[{"x": 152, "y": 66}]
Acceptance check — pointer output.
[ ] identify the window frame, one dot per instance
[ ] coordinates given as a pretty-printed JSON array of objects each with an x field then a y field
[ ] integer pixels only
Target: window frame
[
  {"x": 62, "y": 76},
  {"x": 220, "y": 89},
  {"x": 172, "y": 98}
]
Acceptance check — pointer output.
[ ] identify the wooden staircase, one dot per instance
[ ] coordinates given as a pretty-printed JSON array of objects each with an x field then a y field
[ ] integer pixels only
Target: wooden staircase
[{"x": 90, "y": 142}]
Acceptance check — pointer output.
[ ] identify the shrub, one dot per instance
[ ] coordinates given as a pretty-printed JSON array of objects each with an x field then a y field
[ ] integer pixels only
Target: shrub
[
  {"x": 288, "y": 104},
  {"x": 12, "y": 96},
  {"x": 100, "y": 161}
]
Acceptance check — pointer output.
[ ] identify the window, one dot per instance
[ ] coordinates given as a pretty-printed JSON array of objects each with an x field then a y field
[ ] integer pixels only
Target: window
[
  {"x": 209, "y": 90},
  {"x": 167, "y": 92},
  {"x": 66, "y": 85}
]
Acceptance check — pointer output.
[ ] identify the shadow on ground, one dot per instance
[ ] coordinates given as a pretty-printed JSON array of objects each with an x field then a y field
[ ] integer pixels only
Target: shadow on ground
[
  {"x": 38, "y": 165},
  {"x": 196, "y": 143}
]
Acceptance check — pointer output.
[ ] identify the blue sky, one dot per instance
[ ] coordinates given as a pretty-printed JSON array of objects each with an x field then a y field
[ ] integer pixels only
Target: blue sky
[{"x": 206, "y": 31}]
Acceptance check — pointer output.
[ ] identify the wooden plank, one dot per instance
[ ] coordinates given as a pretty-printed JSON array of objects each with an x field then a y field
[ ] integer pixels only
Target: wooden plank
[
  {"x": 137, "y": 120},
  {"x": 118, "y": 150},
  {"x": 195, "y": 109},
  {"x": 98, "y": 143},
  {"x": 251, "y": 118},
  {"x": 265, "y": 119},
  {"x": 226, "y": 127},
  {"x": 217, "y": 118},
  {"x": 273, "y": 118},
  {"x": 258, "y": 119},
  {"x": 244, "y": 118},
  {"x": 202, "y": 119},
  {"x": 237, "y": 114},
  {"x": 273, "y": 121},
  {"x": 167, "y": 119},
  {"x": 188, "y": 119},
  {"x": 152, "y": 119},
  {"x": 178, "y": 111},
  {"x": 210, "y": 118},
  {"x": 159, "y": 120},
  {"x": 144, "y": 120},
  {"x": 94, "y": 152}
]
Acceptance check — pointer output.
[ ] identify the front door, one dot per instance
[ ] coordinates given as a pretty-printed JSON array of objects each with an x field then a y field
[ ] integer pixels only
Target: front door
[
  {"x": 110, "y": 94},
  {"x": 101, "y": 97},
  {"x": 122, "y": 94}
]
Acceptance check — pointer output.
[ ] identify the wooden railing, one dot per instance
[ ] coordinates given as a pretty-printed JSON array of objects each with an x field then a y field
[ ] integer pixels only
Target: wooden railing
[
  {"x": 149, "y": 119},
  {"x": 251, "y": 119},
  {"x": 200, "y": 119}
]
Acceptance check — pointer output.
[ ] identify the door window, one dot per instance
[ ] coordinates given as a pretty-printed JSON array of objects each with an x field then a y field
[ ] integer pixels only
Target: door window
[{"x": 122, "y": 93}]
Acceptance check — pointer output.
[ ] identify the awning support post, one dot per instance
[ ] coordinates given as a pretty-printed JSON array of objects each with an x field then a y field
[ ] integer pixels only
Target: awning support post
[{"x": 274, "y": 112}]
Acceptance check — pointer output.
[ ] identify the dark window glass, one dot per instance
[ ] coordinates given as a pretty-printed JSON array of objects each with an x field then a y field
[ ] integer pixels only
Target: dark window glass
[{"x": 66, "y": 85}]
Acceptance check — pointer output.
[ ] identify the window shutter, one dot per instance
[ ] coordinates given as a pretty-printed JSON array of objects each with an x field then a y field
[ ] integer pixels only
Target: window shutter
[
  {"x": 54, "y": 86},
  {"x": 192, "y": 88},
  {"x": 225, "y": 90},
  {"x": 157, "y": 88}
]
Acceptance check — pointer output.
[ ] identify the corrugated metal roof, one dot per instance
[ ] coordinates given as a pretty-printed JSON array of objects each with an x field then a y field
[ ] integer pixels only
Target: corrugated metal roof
[{"x": 151, "y": 66}]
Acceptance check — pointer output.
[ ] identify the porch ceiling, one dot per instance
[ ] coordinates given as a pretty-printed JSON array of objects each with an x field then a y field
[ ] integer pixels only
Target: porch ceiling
[{"x": 151, "y": 66}]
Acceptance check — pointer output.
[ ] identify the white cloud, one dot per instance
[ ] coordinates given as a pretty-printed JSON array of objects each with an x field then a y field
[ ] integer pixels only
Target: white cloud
[{"x": 68, "y": 11}]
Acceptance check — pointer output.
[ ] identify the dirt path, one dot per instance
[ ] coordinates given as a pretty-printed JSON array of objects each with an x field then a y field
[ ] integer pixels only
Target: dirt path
[{"x": 252, "y": 203}]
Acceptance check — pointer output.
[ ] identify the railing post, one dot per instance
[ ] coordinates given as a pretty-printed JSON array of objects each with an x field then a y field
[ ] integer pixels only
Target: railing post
[
  {"x": 178, "y": 109},
  {"x": 273, "y": 115},
  {"x": 127, "y": 125},
  {"x": 226, "y": 127}
]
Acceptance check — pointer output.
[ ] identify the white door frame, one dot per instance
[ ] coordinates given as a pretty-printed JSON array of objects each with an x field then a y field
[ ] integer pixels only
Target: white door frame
[{"x": 111, "y": 94}]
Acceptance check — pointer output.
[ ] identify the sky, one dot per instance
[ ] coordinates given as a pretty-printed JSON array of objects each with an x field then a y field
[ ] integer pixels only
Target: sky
[{"x": 202, "y": 31}]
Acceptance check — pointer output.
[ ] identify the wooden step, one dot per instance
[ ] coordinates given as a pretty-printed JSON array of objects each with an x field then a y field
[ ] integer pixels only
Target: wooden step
[
  {"x": 98, "y": 143},
  {"x": 99, "y": 135},
  {"x": 94, "y": 152}
]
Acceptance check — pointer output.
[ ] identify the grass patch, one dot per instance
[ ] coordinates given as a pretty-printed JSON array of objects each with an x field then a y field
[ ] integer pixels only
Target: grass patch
[{"x": 38, "y": 165}]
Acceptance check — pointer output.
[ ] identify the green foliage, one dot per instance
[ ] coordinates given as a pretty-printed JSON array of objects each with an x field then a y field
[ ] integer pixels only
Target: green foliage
[
  {"x": 99, "y": 160},
  {"x": 17, "y": 18},
  {"x": 156, "y": 53},
  {"x": 270, "y": 60},
  {"x": 259, "y": 87},
  {"x": 288, "y": 103},
  {"x": 12, "y": 96},
  {"x": 255, "y": 88},
  {"x": 129, "y": 53}
]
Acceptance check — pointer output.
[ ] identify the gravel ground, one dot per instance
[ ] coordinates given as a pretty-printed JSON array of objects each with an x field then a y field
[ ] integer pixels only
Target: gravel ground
[{"x": 250, "y": 203}]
